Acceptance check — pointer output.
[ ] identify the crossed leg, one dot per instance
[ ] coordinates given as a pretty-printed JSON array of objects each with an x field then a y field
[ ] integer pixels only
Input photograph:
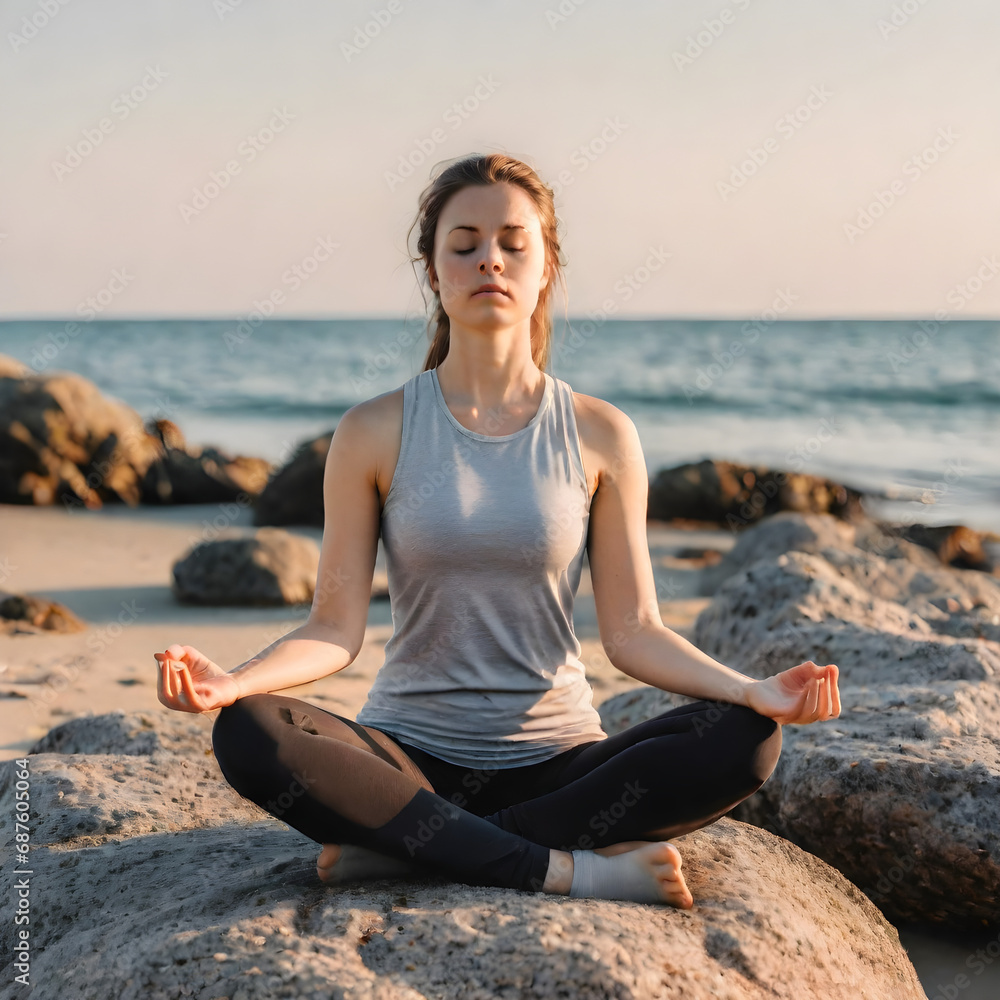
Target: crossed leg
[{"x": 339, "y": 782}]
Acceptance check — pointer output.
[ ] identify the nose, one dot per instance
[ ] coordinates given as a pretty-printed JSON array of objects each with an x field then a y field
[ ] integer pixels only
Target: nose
[{"x": 492, "y": 262}]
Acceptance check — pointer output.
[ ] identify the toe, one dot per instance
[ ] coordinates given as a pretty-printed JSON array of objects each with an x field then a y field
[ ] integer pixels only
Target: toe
[{"x": 327, "y": 859}]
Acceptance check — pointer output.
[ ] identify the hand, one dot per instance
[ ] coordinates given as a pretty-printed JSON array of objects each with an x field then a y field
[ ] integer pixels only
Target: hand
[
  {"x": 803, "y": 694},
  {"x": 190, "y": 682}
]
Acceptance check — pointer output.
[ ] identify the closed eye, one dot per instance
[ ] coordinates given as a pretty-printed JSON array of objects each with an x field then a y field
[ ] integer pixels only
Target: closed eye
[{"x": 508, "y": 249}]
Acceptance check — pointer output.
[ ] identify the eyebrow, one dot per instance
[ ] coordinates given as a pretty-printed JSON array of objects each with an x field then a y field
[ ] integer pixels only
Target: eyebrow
[{"x": 475, "y": 229}]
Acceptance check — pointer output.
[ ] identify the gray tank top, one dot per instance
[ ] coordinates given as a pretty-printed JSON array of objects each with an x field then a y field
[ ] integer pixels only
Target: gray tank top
[{"x": 484, "y": 540}]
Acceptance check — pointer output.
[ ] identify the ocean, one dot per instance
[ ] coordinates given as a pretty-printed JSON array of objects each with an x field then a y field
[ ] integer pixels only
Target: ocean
[{"x": 908, "y": 409}]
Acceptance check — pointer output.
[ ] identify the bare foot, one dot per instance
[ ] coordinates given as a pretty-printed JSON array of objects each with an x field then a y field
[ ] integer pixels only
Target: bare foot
[
  {"x": 660, "y": 858},
  {"x": 328, "y": 857}
]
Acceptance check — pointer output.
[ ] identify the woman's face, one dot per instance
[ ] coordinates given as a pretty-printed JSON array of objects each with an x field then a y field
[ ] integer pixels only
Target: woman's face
[{"x": 489, "y": 234}]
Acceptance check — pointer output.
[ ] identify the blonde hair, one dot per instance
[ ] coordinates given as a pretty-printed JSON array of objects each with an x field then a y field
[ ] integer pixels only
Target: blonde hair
[{"x": 483, "y": 169}]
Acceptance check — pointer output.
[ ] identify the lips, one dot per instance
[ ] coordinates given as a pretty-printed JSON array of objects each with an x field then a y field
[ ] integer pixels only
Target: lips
[{"x": 489, "y": 288}]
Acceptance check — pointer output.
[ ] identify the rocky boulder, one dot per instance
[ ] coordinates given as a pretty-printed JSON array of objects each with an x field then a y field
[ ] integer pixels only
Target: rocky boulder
[
  {"x": 170, "y": 885},
  {"x": 62, "y": 441},
  {"x": 184, "y": 473},
  {"x": 294, "y": 494},
  {"x": 736, "y": 496},
  {"x": 901, "y": 793},
  {"x": 270, "y": 567}
]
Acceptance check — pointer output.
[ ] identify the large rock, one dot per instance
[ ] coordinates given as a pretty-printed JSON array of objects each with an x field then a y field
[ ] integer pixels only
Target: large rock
[
  {"x": 270, "y": 567},
  {"x": 160, "y": 896},
  {"x": 902, "y": 792},
  {"x": 62, "y": 441},
  {"x": 736, "y": 496},
  {"x": 186, "y": 473},
  {"x": 294, "y": 494}
]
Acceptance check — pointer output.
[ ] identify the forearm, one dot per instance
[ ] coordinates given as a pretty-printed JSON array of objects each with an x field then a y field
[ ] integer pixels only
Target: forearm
[
  {"x": 303, "y": 655},
  {"x": 660, "y": 657}
]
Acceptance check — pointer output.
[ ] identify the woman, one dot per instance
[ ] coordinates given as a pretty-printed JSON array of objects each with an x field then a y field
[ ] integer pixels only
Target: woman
[{"x": 479, "y": 753}]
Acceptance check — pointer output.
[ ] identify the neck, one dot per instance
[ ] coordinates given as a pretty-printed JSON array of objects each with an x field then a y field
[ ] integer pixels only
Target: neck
[{"x": 490, "y": 369}]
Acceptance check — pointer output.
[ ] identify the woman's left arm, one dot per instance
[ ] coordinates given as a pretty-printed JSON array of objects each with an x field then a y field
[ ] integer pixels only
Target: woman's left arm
[{"x": 633, "y": 634}]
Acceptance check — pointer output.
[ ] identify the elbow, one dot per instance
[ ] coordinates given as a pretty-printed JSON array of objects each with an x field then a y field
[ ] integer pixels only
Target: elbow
[
  {"x": 336, "y": 635},
  {"x": 627, "y": 645}
]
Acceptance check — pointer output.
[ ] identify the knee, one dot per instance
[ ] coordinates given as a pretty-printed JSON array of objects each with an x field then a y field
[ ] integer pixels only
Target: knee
[
  {"x": 752, "y": 744},
  {"x": 762, "y": 736},
  {"x": 236, "y": 734}
]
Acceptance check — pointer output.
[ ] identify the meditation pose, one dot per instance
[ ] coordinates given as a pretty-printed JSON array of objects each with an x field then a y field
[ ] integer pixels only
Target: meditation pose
[{"x": 479, "y": 753}]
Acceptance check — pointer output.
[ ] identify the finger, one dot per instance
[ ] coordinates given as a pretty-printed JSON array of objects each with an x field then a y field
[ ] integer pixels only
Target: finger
[
  {"x": 175, "y": 651},
  {"x": 167, "y": 673},
  {"x": 188, "y": 685},
  {"x": 827, "y": 703},
  {"x": 812, "y": 701},
  {"x": 835, "y": 688}
]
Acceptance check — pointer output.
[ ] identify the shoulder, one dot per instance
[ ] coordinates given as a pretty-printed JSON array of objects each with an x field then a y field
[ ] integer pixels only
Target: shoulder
[
  {"x": 375, "y": 417},
  {"x": 605, "y": 430}
]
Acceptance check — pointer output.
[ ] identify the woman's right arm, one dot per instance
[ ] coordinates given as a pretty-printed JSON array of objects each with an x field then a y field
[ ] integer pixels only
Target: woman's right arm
[{"x": 334, "y": 632}]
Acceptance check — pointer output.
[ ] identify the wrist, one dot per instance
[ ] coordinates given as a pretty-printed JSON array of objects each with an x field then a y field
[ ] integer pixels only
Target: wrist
[
  {"x": 239, "y": 678},
  {"x": 744, "y": 692}
]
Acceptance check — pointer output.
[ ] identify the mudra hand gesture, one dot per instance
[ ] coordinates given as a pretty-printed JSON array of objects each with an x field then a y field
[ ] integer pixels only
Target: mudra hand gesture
[
  {"x": 190, "y": 682},
  {"x": 803, "y": 694}
]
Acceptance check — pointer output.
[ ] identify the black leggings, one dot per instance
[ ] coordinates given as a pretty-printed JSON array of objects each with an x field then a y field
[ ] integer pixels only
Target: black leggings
[{"x": 340, "y": 782}]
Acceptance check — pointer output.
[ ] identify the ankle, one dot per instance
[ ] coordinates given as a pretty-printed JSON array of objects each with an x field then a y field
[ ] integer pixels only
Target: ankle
[{"x": 559, "y": 877}]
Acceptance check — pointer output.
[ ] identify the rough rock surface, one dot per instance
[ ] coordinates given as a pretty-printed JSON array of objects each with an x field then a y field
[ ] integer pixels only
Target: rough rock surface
[
  {"x": 268, "y": 568},
  {"x": 61, "y": 441},
  {"x": 294, "y": 494},
  {"x": 901, "y": 793},
  {"x": 739, "y": 495},
  {"x": 144, "y": 890}
]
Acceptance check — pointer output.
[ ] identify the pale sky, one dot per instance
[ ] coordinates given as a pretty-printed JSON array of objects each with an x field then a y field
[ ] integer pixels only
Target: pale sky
[{"x": 644, "y": 109}]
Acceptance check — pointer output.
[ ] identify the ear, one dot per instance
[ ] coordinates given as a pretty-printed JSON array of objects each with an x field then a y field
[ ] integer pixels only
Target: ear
[{"x": 432, "y": 277}]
